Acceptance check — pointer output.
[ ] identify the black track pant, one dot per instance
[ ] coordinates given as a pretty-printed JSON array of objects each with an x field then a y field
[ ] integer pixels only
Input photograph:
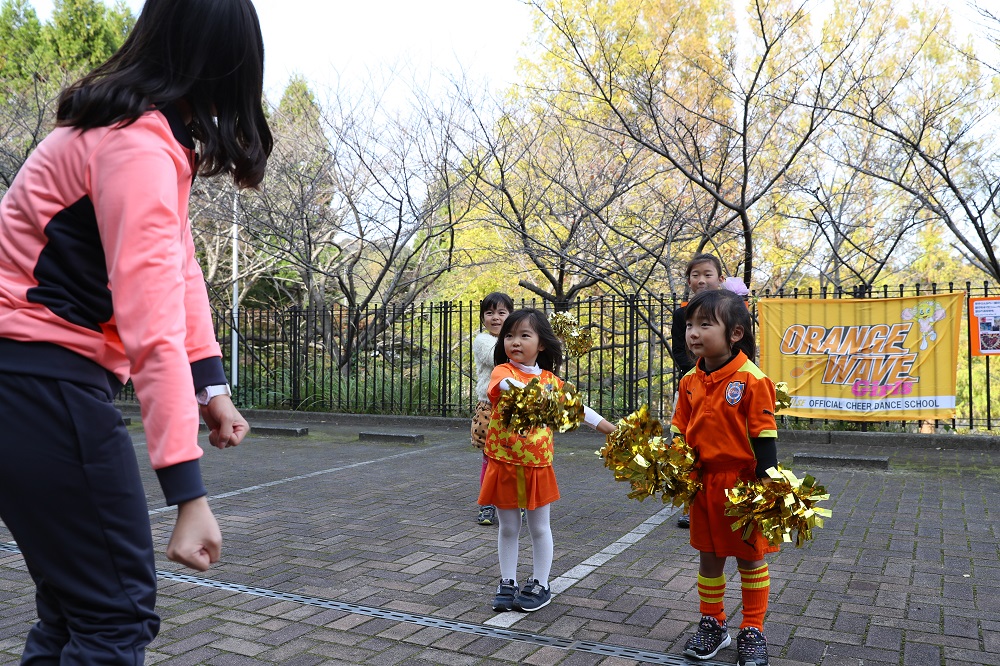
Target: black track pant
[{"x": 71, "y": 495}]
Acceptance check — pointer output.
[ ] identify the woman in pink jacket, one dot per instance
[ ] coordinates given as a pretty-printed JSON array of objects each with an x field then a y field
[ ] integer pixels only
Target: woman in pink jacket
[{"x": 99, "y": 284}]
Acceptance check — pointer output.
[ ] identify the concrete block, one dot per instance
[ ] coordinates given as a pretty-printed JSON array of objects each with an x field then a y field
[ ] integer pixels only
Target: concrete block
[
  {"x": 279, "y": 431},
  {"x": 855, "y": 462},
  {"x": 390, "y": 438}
]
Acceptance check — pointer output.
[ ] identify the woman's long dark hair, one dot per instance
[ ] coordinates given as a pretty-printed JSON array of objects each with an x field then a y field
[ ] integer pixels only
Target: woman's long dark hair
[
  {"x": 725, "y": 307},
  {"x": 548, "y": 358},
  {"x": 205, "y": 54}
]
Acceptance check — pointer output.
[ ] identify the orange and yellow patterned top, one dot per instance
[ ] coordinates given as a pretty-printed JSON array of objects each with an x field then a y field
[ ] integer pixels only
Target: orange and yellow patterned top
[{"x": 532, "y": 449}]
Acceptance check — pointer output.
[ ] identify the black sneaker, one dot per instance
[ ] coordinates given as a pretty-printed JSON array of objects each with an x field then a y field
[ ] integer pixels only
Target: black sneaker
[
  {"x": 487, "y": 515},
  {"x": 504, "y": 599},
  {"x": 684, "y": 520},
  {"x": 751, "y": 646},
  {"x": 532, "y": 597},
  {"x": 710, "y": 638}
]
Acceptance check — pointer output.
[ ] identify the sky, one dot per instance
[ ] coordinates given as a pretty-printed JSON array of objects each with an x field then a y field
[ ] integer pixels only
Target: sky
[
  {"x": 333, "y": 42},
  {"x": 325, "y": 40}
]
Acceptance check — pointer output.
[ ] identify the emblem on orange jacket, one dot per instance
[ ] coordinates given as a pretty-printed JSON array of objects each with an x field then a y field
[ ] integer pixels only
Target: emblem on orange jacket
[{"x": 734, "y": 392}]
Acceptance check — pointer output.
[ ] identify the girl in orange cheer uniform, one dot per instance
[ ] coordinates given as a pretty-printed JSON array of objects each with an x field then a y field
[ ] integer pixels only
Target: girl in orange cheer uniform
[
  {"x": 725, "y": 411},
  {"x": 519, "y": 471}
]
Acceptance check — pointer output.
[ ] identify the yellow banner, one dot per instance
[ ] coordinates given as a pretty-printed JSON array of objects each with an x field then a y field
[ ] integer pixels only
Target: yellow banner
[{"x": 864, "y": 359}]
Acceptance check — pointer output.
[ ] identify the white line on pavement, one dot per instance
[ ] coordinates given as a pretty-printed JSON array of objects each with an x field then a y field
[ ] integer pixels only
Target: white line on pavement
[{"x": 585, "y": 568}]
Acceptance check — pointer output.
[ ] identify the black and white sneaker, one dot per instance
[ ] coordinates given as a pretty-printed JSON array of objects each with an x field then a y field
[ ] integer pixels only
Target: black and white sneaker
[
  {"x": 532, "y": 597},
  {"x": 751, "y": 646},
  {"x": 709, "y": 639},
  {"x": 504, "y": 599},
  {"x": 487, "y": 515}
]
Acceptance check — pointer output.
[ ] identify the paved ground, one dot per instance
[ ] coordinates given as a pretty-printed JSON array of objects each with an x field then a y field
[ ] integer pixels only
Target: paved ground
[{"x": 339, "y": 552}]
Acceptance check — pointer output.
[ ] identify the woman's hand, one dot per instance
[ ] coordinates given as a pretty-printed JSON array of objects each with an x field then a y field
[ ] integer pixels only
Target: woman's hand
[
  {"x": 196, "y": 541},
  {"x": 226, "y": 425}
]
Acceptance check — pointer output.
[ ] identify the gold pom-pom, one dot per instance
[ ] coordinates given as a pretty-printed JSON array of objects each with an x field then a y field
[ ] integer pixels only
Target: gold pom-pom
[
  {"x": 562, "y": 323},
  {"x": 622, "y": 452},
  {"x": 632, "y": 430},
  {"x": 577, "y": 341},
  {"x": 538, "y": 404},
  {"x": 681, "y": 475},
  {"x": 636, "y": 452},
  {"x": 778, "y": 508},
  {"x": 782, "y": 398}
]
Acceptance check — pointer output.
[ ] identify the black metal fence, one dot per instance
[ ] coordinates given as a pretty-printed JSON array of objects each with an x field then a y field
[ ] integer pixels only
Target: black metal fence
[{"x": 417, "y": 359}]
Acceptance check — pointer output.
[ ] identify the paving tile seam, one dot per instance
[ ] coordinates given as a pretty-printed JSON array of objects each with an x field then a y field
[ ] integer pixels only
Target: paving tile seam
[
  {"x": 592, "y": 647},
  {"x": 300, "y": 477},
  {"x": 568, "y": 644}
]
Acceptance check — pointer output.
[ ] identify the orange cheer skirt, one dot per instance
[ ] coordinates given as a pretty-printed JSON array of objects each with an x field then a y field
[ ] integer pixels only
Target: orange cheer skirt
[{"x": 508, "y": 486}]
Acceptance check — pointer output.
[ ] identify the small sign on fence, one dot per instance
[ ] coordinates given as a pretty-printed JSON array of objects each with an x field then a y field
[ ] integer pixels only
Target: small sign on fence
[{"x": 984, "y": 325}]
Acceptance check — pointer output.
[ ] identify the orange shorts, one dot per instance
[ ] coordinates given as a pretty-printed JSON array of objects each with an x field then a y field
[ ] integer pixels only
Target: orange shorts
[
  {"x": 711, "y": 528},
  {"x": 508, "y": 486}
]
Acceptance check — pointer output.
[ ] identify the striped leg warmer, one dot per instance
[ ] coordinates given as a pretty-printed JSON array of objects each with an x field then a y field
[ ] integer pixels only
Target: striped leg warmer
[
  {"x": 710, "y": 593},
  {"x": 756, "y": 585}
]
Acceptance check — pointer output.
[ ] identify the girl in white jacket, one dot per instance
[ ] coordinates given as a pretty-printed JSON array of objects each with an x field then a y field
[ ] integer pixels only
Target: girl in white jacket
[{"x": 492, "y": 312}]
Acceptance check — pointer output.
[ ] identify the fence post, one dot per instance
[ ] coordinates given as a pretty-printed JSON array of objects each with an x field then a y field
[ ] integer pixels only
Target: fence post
[
  {"x": 989, "y": 407},
  {"x": 859, "y": 292},
  {"x": 631, "y": 355},
  {"x": 294, "y": 349},
  {"x": 444, "y": 357}
]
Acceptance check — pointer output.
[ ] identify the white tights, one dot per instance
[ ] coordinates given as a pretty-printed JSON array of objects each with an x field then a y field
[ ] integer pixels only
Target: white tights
[{"x": 541, "y": 542}]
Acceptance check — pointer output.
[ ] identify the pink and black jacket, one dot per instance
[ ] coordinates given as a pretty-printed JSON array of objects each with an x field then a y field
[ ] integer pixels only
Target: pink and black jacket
[{"x": 99, "y": 280}]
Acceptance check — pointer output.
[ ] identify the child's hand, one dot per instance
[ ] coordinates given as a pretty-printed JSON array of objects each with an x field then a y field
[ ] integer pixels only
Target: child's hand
[{"x": 196, "y": 541}]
